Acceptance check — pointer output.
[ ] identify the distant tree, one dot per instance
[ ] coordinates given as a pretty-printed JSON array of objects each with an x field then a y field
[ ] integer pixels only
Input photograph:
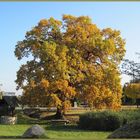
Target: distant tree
[
  {"x": 70, "y": 58},
  {"x": 132, "y": 90},
  {"x": 125, "y": 99},
  {"x": 132, "y": 69}
]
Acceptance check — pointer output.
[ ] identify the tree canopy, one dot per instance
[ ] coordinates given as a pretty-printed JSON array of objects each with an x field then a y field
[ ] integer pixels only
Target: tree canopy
[
  {"x": 70, "y": 58},
  {"x": 132, "y": 69},
  {"x": 132, "y": 90}
]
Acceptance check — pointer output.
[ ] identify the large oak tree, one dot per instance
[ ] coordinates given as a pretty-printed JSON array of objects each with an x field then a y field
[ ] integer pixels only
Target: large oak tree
[{"x": 70, "y": 58}]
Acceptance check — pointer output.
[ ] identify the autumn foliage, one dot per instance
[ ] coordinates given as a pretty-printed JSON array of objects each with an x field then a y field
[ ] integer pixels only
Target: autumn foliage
[
  {"x": 70, "y": 58},
  {"x": 132, "y": 90}
]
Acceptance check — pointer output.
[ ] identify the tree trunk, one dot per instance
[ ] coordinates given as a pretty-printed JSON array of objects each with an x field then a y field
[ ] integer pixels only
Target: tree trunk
[
  {"x": 59, "y": 114},
  {"x": 137, "y": 102}
]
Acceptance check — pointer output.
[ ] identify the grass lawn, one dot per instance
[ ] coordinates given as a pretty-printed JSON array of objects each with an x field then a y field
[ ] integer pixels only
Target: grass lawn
[
  {"x": 53, "y": 132},
  {"x": 69, "y": 132}
]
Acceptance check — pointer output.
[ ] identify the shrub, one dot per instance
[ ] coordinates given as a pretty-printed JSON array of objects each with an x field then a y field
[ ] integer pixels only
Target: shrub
[
  {"x": 130, "y": 115},
  {"x": 105, "y": 121}
]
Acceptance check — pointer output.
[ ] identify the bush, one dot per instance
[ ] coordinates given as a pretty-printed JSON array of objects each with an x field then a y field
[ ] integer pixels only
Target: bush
[
  {"x": 105, "y": 121},
  {"x": 130, "y": 115}
]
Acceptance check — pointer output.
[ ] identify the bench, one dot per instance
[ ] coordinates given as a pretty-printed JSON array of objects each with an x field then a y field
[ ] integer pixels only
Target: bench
[{"x": 62, "y": 122}]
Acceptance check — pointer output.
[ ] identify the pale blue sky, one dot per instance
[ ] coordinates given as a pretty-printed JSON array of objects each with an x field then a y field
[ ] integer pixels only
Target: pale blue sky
[{"x": 18, "y": 17}]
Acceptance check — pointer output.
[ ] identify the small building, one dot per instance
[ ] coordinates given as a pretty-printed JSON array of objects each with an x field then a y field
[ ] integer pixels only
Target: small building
[{"x": 8, "y": 103}]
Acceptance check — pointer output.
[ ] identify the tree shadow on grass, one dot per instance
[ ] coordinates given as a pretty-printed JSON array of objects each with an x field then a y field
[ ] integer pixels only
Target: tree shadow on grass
[
  {"x": 20, "y": 137},
  {"x": 10, "y": 137}
]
